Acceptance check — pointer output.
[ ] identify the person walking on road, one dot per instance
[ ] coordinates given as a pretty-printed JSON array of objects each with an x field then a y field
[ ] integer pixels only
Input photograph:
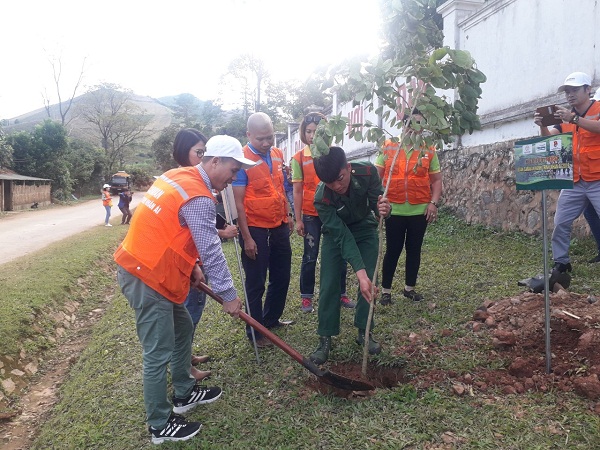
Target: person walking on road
[
  {"x": 125, "y": 199},
  {"x": 107, "y": 203}
]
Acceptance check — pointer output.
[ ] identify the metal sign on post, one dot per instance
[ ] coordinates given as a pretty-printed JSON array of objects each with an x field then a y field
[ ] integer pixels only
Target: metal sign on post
[{"x": 540, "y": 164}]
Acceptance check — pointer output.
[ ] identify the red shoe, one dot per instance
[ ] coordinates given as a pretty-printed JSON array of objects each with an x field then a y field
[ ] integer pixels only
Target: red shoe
[
  {"x": 346, "y": 302},
  {"x": 307, "y": 306}
]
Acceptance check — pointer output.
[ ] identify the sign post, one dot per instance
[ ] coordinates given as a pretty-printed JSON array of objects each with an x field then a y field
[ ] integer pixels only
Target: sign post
[{"x": 540, "y": 164}]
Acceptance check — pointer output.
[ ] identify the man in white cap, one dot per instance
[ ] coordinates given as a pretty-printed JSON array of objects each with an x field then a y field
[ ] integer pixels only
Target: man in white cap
[
  {"x": 173, "y": 227},
  {"x": 583, "y": 120}
]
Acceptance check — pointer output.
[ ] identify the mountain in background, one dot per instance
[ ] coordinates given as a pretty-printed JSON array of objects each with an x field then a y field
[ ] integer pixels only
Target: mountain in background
[{"x": 159, "y": 109}]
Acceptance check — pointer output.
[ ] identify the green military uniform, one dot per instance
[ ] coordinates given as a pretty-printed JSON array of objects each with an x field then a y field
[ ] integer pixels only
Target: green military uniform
[{"x": 349, "y": 234}]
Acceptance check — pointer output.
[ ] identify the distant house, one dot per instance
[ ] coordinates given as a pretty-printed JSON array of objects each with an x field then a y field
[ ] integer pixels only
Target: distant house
[{"x": 22, "y": 192}]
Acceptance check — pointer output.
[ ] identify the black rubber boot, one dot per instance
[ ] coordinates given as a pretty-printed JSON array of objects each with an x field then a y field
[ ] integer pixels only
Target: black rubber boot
[
  {"x": 321, "y": 354},
  {"x": 374, "y": 347}
]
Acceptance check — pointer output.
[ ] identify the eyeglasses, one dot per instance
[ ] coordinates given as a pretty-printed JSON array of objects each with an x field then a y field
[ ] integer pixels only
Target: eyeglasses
[{"x": 312, "y": 118}]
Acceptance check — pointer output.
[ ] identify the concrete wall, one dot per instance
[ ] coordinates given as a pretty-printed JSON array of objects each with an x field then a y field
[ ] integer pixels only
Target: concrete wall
[{"x": 524, "y": 49}]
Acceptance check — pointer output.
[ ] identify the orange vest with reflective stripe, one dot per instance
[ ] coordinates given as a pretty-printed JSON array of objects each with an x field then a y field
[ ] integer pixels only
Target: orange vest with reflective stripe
[
  {"x": 586, "y": 147},
  {"x": 410, "y": 177},
  {"x": 310, "y": 180},
  {"x": 265, "y": 202},
  {"x": 158, "y": 249}
]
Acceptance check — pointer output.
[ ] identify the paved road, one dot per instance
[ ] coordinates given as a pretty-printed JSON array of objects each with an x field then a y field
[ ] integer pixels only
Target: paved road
[{"x": 25, "y": 232}]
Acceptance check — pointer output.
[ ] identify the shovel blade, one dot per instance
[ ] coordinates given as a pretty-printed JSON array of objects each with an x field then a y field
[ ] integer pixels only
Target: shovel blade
[
  {"x": 342, "y": 382},
  {"x": 336, "y": 380}
]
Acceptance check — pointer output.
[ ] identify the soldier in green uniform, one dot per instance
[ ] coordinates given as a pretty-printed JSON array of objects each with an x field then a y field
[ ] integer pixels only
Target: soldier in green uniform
[{"x": 348, "y": 201}]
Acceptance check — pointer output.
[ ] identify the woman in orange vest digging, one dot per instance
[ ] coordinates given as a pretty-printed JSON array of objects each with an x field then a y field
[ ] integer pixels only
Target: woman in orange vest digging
[
  {"x": 308, "y": 224},
  {"x": 414, "y": 192}
]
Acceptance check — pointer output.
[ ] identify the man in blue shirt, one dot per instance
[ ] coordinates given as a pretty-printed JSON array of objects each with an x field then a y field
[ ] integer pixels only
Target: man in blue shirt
[{"x": 265, "y": 226}]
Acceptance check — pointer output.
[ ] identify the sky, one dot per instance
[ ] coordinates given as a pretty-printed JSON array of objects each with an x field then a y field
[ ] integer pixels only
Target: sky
[{"x": 168, "y": 48}]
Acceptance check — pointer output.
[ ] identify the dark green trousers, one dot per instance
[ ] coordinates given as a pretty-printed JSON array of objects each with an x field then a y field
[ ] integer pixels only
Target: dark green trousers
[{"x": 332, "y": 265}]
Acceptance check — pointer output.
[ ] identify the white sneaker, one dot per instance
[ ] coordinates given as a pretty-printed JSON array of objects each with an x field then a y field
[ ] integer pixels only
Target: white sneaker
[{"x": 108, "y": 225}]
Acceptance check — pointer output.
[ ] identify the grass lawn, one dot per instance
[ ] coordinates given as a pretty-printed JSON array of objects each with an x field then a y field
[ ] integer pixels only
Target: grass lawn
[{"x": 272, "y": 405}]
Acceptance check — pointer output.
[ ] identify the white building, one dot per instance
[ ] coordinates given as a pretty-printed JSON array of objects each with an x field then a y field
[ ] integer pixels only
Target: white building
[{"x": 526, "y": 48}]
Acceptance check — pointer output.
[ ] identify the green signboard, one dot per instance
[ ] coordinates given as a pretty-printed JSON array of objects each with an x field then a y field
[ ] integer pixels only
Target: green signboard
[{"x": 544, "y": 163}]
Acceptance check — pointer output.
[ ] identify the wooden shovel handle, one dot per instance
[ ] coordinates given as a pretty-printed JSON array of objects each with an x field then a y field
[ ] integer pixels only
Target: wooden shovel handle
[{"x": 258, "y": 327}]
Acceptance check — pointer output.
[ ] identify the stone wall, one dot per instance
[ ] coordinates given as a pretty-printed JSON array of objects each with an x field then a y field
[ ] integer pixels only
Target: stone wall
[{"x": 479, "y": 187}]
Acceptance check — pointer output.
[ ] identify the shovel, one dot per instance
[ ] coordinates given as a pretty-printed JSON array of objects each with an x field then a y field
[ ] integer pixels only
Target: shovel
[{"x": 325, "y": 376}]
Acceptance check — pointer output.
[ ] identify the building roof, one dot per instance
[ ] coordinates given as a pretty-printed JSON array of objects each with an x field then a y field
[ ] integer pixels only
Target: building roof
[{"x": 6, "y": 174}]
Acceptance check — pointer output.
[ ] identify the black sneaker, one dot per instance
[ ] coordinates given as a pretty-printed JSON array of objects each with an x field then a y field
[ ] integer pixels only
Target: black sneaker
[
  {"x": 199, "y": 396},
  {"x": 177, "y": 429},
  {"x": 595, "y": 260},
  {"x": 413, "y": 295},
  {"x": 386, "y": 299}
]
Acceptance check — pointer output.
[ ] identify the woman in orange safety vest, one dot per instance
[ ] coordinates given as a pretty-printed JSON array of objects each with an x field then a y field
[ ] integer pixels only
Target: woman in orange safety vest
[
  {"x": 415, "y": 190},
  {"x": 308, "y": 224},
  {"x": 107, "y": 203}
]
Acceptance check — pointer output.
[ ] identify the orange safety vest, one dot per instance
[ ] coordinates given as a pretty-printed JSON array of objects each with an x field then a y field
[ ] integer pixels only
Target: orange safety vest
[
  {"x": 106, "y": 199},
  {"x": 410, "y": 177},
  {"x": 310, "y": 180},
  {"x": 265, "y": 202},
  {"x": 158, "y": 249},
  {"x": 586, "y": 147}
]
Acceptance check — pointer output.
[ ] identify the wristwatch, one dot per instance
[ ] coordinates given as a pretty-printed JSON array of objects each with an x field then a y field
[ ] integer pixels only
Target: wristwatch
[
  {"x": 433, "y": 203},
  {"x": 575, "y": 119}
]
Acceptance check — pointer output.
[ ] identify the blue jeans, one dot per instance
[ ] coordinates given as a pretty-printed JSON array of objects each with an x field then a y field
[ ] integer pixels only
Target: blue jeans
[
  {"x": 593, "y": 221},
  {"x": 195, "y": 303},
  {"x": 275, "y": 257},
  {"x": 571, "y": 203},
  {"x": 107, "y": 208},
  {"x": 290, "y": 197},
  {"x": 312, "y": 238}
]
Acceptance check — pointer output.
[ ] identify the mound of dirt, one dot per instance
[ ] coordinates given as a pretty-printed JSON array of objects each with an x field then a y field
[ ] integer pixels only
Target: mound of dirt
[
  {"x": 516, "y": 327},
  {"x": 508, "y": 335},
  {"x": 514, "y": 330}
]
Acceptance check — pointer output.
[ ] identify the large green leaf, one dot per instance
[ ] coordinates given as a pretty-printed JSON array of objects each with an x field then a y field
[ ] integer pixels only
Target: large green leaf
[{"x": 462, "y": 58}]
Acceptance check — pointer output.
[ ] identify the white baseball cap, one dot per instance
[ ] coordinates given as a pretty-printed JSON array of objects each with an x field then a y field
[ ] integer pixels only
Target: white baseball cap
[
  {"x": 597, "y": 95},
  {"x": 106, "y": 186},
  {"x": 227, "y": 147},
  {"x": 576, "y": 79}
]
